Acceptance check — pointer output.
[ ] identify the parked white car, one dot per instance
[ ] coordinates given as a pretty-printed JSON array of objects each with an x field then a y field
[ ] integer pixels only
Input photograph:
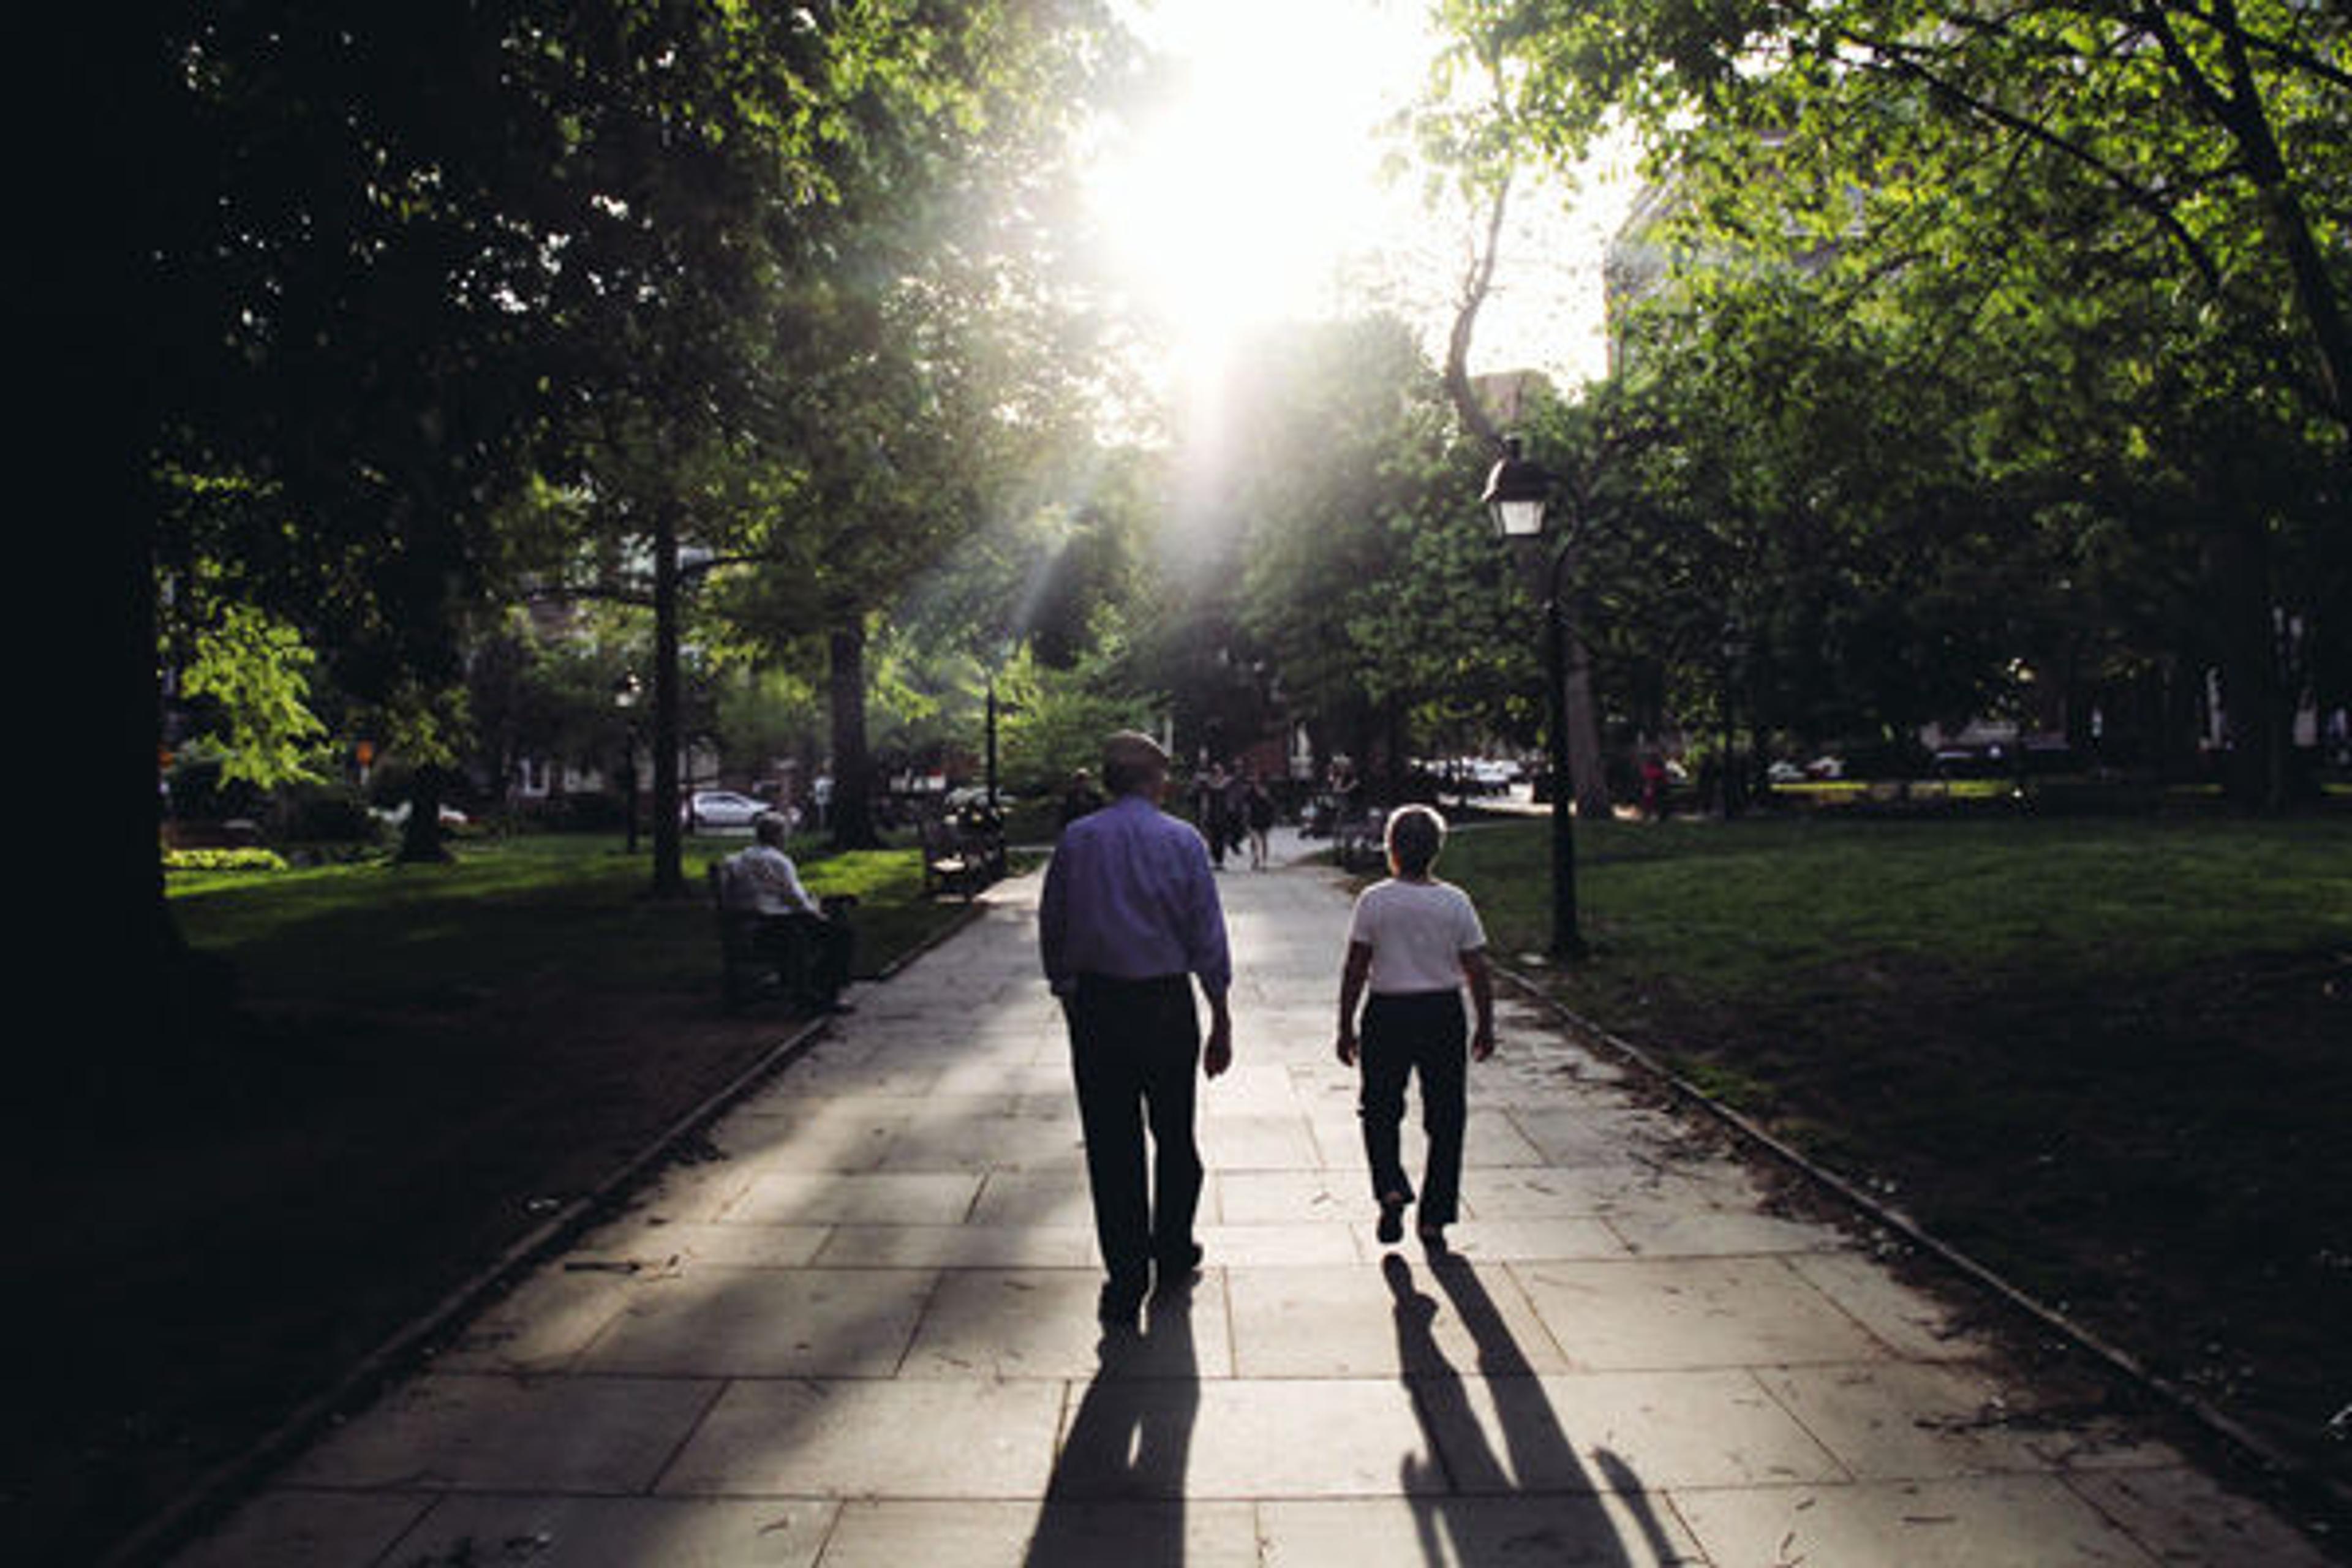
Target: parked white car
[
  {"x": 721, "y": 809},
  {"x": 397, "y": 815}
]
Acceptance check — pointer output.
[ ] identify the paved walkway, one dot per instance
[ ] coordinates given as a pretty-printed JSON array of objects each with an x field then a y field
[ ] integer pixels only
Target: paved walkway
[{"x": 862, "y": 1334}]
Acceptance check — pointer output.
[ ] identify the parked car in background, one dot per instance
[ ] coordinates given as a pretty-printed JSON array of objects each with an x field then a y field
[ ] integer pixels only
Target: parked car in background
[
  {"x": 720, "y": 809},
  {"x": 397, "y": 816},
  {"x": 1496, "y": 775}
]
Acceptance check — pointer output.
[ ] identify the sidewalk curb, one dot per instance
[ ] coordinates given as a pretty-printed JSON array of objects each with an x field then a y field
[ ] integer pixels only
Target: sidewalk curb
[
  {"x": 2279, "y": 1468},
  {"x": 214, "y": 1494}
]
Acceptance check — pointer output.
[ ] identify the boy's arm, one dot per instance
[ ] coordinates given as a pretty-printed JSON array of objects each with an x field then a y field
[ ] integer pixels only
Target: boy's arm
[
  {"x": 1482, "y": 998},
  {"x": 1217, "y": 1054},
  {"x": 1352, "y": 992}
]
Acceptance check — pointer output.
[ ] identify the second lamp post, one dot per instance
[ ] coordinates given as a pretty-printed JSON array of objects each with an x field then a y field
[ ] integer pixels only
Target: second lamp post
[{"x": 1518, "y": 492}]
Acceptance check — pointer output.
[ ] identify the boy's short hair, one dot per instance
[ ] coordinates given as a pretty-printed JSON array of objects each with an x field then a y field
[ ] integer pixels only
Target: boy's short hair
[
  {"x": 1416, "y": 835},
  {"x": 771, "y": 828}
]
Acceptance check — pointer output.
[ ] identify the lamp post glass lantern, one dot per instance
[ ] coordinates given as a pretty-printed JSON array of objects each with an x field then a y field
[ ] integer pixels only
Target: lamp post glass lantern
[
  {"x": 1517, "y": 492},
  {"x": 1517, "y": 495}
]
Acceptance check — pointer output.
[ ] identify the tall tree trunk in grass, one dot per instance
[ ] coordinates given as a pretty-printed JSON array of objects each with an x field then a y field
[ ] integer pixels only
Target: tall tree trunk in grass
[
  {"x": 2252, "y": 693},
  {"x": 92, "y": 426},
  {"x": 421, "y": 841},
  {"x": 853, "y": 762},
  {"x": 1588, "y": 774},
  {"x": 669, "y": 867}
]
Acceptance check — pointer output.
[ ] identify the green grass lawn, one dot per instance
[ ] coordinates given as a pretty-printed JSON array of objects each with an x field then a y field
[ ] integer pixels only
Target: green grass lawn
[
  {"x": 2112, "y": 1057},
  {"x": 432, "y": 1057},
  {"x": 507, "y": 908}
]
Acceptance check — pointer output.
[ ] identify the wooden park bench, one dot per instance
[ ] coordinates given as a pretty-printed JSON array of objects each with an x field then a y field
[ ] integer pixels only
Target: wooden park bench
[
  {"x": 1359, "y": 842},
  {"x": 960, "y": 858},
  {"x": 751, "y": 969}
]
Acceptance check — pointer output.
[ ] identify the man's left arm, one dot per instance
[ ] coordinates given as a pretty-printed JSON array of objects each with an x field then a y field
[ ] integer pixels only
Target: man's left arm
[
  {"x": 1209, "y": 954},
  {"x": 1217, "y": 1052}
]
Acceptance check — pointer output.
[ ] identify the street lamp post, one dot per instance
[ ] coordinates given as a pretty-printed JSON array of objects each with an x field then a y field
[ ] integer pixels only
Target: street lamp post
[
  {"x": 991, "y": 743},
  {"x": 1518, "y": 493},
  {"x": 625, "y": 692}
]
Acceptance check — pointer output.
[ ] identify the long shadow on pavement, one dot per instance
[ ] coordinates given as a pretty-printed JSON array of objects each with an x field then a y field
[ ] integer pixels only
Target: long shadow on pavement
[
  {"x": 1117, "y": 1494},
  {"x": 1565, "y": 1518}
]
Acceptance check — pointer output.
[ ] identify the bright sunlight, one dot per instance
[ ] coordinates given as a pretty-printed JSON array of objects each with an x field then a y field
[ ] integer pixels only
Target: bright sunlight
[{"x": 1250, "y": 190}]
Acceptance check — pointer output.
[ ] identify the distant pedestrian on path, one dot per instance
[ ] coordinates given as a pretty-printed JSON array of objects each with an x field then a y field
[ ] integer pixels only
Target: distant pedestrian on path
[
  {"x": 1257, "y": 804},
  {"x": 1128, "y": 919},
  {"x": 1413, "y": 941},
  {"x": 1214, "y": 801}
]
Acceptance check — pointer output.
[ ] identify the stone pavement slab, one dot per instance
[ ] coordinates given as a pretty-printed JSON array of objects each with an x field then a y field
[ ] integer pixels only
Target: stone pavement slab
[
  {"x": 1322, "y": 1322},
  {"x": 857, "y": 1329},
  {"x": 1592, "y": 1531},
  {"x": 2000, "y": 1521},
  {"x": 764, "y": 1322},
  {"x": 1060, "y": 1534},
  {"x": 945, "y": 1438},
  {"x": 465, "y": 1432},
  {"x": 622, "y": 1532}
]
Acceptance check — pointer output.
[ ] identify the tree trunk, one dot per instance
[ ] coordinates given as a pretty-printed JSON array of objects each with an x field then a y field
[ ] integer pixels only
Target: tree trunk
[
  {"x": 853, "y": 764},
  {"x": 2252, "y": 692},
  {"x": 670, "y": 867},
  {"x": 421, "y": 841},
  {"x": 1588, "y": 771},
  {"x": 2247, "y": 118},
  {"x": 1395, "y": 767},
  {"x": 88, "y": 433}
]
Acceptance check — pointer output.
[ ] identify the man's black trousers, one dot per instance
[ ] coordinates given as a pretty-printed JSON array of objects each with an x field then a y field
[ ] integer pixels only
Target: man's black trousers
[{"x": 1135, "y": 1047}]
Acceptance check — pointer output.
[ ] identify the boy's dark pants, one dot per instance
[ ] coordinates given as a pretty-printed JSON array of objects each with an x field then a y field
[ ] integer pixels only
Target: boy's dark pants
[
  {"x": 1420, "y": 1032},
  {"x": 1135, "y": 1047}
]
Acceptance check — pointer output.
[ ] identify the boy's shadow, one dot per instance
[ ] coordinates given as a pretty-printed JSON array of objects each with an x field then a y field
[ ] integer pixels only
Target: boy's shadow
[
  {"x": 1453, "y": 1510},
  {"x": 1117, "y": 1494}
]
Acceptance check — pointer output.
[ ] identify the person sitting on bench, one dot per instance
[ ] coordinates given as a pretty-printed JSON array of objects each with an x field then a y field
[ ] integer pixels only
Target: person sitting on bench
[{"x": 763, "y": 879}]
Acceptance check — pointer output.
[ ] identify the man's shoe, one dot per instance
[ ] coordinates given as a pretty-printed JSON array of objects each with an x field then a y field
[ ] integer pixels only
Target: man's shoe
[
  {"x": 1391, "y": 1225},
  {"x": 1120, "y": 1305},
  {"x": 1174, "y": 1274}
]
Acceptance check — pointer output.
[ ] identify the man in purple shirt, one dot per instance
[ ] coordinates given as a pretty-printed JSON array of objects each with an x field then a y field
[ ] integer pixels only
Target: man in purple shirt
[{"x": 1129, "y": 917}]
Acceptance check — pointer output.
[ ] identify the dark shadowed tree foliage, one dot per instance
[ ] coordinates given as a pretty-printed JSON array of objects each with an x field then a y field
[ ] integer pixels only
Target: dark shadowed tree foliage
[
  {"x": 392, "y": 265},
  {"x": 2088, "y": 262}
]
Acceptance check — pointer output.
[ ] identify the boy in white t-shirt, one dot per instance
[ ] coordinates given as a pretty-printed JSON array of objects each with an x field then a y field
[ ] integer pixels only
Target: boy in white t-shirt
[{"x": 1415, "y": 939}]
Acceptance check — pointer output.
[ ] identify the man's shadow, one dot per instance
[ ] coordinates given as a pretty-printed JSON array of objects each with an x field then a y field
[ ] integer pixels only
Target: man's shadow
[
  {"x": 1453, "y": 1511},
  {"x": 1117, "y": 1494}
]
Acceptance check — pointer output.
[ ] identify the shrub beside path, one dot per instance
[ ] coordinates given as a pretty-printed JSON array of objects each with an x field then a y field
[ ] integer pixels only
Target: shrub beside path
[{"x": 857, "y": 1329}]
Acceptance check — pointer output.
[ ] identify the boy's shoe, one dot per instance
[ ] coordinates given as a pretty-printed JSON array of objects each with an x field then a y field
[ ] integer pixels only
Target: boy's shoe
[{"x": 1176, "y": 1273}]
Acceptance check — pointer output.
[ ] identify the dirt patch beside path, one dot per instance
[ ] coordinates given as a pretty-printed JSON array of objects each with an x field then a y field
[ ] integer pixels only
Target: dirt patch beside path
[{"x": 208, "y": 1255}]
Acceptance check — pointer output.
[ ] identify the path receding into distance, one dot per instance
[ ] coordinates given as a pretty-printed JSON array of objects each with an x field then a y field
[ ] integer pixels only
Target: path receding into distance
[{"x": 861, "y": 1332}]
